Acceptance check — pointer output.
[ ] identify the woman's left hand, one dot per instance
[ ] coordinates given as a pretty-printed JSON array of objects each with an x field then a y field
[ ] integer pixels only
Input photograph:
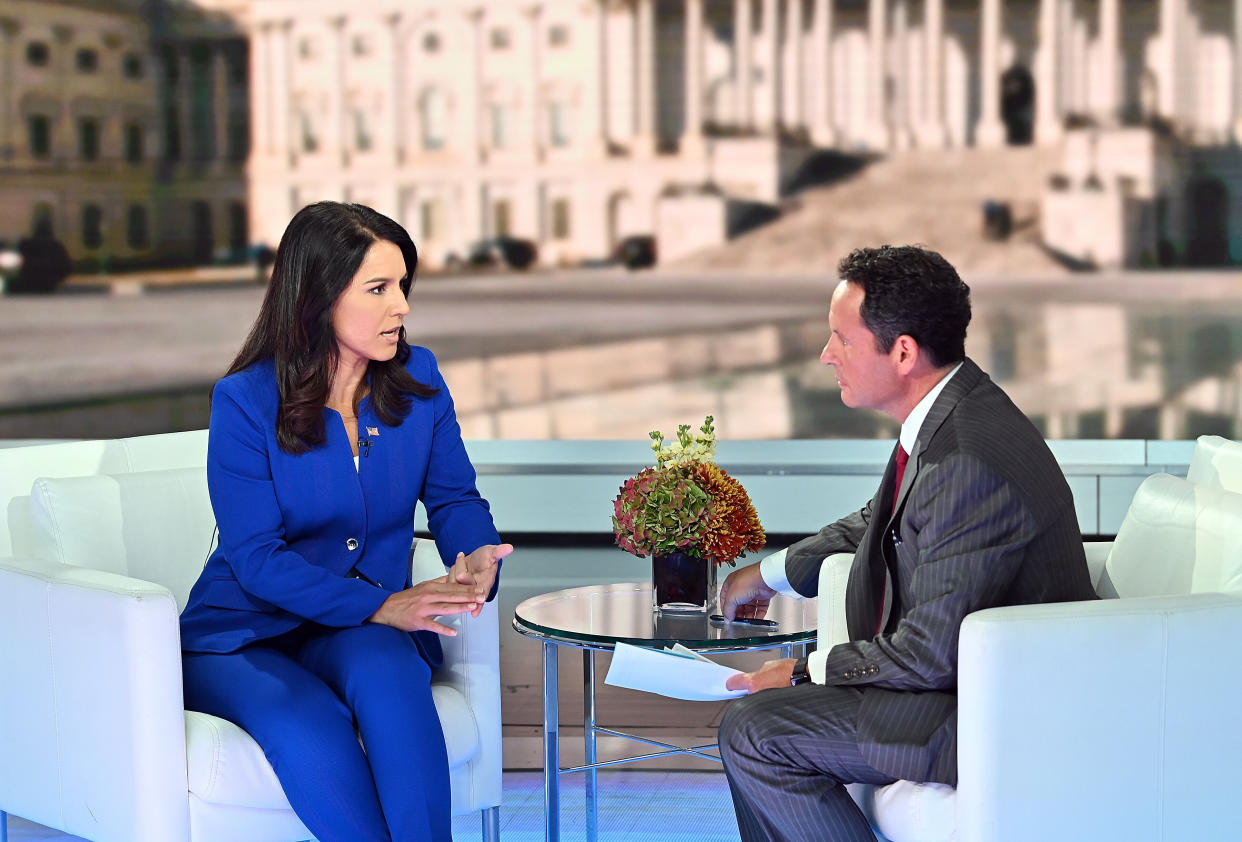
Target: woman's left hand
[{"x": 479, "y": 569}]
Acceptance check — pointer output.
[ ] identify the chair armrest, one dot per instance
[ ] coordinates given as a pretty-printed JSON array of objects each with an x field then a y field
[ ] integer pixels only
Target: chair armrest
[
  {"x": 1116, "y": 713},
  {"x": 1097, "y": 554},
  {"x": 471, "y": 667},
  {"x": 834, "y": 573},
  {"x": 92, "y": 734}
]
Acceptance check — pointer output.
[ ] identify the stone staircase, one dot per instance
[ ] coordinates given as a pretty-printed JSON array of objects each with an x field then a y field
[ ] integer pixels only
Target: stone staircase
[{"x": 930, "y": 197}]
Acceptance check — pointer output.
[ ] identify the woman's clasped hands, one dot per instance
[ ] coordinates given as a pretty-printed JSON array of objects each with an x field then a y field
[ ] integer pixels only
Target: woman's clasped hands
[
  {"x": 464, "y": 588},
  {"x": 479, "y": 569}
]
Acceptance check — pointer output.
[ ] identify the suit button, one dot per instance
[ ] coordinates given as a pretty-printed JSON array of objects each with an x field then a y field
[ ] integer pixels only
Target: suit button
[{"x": 351, "y": 544}]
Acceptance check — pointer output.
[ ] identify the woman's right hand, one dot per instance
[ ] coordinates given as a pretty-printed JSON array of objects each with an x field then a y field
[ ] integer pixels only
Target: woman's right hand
[{"x": 415, "y": 609}]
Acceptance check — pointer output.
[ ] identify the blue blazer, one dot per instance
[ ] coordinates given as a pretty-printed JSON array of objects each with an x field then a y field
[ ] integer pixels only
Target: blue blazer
[{"x": 297, "y": 531}]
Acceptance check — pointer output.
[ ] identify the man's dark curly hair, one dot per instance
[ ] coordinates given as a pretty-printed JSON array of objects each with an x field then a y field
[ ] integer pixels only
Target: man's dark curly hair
[{"x": 912, "y": 291}]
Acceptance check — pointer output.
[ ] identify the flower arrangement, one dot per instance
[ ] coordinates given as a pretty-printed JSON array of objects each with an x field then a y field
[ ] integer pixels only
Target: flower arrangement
[{"x": 686, "y": 503}]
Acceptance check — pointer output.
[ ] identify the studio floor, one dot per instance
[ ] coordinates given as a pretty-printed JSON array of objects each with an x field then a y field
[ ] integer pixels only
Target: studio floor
[{"x": 634, "y": 806}]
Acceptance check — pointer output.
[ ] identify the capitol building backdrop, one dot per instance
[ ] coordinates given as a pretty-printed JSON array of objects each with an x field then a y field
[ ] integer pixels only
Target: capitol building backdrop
[{"x": 163, "y": 131}]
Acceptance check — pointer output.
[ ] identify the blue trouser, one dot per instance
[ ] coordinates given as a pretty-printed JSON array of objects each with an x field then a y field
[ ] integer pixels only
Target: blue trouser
[{"x": 302, "y": 695}]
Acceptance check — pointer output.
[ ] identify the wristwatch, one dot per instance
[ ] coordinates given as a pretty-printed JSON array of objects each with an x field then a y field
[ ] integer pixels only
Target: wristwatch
[{"x": 800, "y": 674}]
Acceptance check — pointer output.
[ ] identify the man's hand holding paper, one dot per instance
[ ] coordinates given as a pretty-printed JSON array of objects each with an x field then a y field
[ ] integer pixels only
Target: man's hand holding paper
[{"x": 677, "y": 673}]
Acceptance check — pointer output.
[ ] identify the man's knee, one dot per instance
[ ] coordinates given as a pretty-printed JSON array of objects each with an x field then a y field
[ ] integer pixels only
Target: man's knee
[{"x": 737, "y": 726}]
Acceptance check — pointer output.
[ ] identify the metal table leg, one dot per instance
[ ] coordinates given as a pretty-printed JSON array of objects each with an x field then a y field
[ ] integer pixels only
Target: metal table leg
[
  {"x": 490, "y": 821},
  {"x": 551, "y": 747},
  {"x": 588, "y": 734}
]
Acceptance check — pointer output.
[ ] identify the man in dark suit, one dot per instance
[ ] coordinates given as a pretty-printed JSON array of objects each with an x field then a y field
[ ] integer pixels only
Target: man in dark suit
[{"x": 973, "y": 512}]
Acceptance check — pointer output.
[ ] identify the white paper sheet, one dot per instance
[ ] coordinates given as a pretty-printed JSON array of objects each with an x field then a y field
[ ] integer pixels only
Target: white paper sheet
[{"x": 677, "y": 673}]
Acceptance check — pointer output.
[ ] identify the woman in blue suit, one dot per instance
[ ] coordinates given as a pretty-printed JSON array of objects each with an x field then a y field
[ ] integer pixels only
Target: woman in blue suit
[{"x": 304, "y": 627}]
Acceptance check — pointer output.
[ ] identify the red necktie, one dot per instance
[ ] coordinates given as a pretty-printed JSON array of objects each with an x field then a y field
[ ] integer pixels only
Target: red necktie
[{"x": 902, "y": 459}]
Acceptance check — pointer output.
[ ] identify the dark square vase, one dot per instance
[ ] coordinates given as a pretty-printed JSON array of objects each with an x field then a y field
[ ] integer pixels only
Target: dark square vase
[{"x": 683, "y": 584}]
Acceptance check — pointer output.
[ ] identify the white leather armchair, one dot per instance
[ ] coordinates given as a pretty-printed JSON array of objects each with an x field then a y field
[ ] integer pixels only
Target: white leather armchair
[
  {"x": 1107, "y": 720},
  {"x": 1217, "y": 463},
  {"x": 94, "y": 740}
]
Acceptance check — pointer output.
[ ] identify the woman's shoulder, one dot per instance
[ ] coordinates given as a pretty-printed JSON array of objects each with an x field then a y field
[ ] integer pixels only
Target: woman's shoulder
[
  {"x": 255, "y": 382},
  {"x": 421, "y": 364}
]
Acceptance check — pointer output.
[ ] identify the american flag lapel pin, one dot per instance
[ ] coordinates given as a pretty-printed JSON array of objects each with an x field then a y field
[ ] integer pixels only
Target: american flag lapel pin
[{"x": 372, "y": 431}]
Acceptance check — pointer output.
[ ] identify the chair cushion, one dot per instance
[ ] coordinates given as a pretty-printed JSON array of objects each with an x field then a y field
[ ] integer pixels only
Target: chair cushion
[
  {"x": 909, "y": 812},
  {"x": 1217, "y": 462},
  {"x": 227, "y": 767},
  {"x": 1177, "y": 537},
  {"x": 152, "y": 525},
  {"x": 20, "y": 466}
]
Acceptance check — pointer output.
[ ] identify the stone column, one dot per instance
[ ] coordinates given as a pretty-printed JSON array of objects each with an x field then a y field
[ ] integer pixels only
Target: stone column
[
  {"x": 1114, "y": 421},
  {"x": 744, "y": 64},
  {"x": 1110, "y": 59},
  {"x": 692, "y": 134},
  {"x": 932, "y": 132},
  {"x": 645, "y": 75},
  {"x": 112, "y": 123},
  {"x": 64, "y": 131},
  {"x": 1237, "y": 70},
  {"x": 903, "y": 136},
  {"x": 280, "y": 96},
  {"x": 1073, "y": 60},
  {"x": 822, "y": 131},
  {"x": 220, "y": 102},
  {"x": 1169, "y": 100},
  {"x": 878, "y": 133},
  {"x": 1172, "y": 420},
  {"x": 395, "y": 129},
  {"x": 990, "y": 131},
  {"x": 1047, "y": 83},
  {"x": 536, "y": 115},
  {"x": 475, "y": 149},
  {"x": 796, "y": 110},
  {"x": 593, "y": 139},
  {"x": 185, "y": 98},
  {"x": 335, "y": 131},
  {"x": 474, "y": 209},
  {"x": 772, "y": 64},
  {"x": 9, "y": 27},
  {"x": 261, "y": 111}
]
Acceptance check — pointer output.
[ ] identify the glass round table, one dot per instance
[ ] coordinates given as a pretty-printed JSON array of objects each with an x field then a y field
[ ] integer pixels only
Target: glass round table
[{"x": 597, "y": 618}]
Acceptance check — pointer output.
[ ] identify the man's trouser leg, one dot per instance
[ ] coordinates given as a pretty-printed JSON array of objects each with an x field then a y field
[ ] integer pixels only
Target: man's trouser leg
[{"x": 788, "y": 753}]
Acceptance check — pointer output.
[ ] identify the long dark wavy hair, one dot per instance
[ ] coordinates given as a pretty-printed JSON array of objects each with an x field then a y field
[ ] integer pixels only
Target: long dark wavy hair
[{"x": 318, "y": 256}]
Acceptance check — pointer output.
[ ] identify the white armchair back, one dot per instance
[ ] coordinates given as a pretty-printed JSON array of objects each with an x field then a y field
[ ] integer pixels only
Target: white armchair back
[
  {"x": 152, "y": 525},
  {"x": 1177, "y": 537},
  {"x": 1216, "y": 462},
  {"x": 21, "y": 466}
]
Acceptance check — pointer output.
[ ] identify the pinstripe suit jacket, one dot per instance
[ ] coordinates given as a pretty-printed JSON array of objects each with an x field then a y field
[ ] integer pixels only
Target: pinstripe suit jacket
[{"x": 983, "y": 518}]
